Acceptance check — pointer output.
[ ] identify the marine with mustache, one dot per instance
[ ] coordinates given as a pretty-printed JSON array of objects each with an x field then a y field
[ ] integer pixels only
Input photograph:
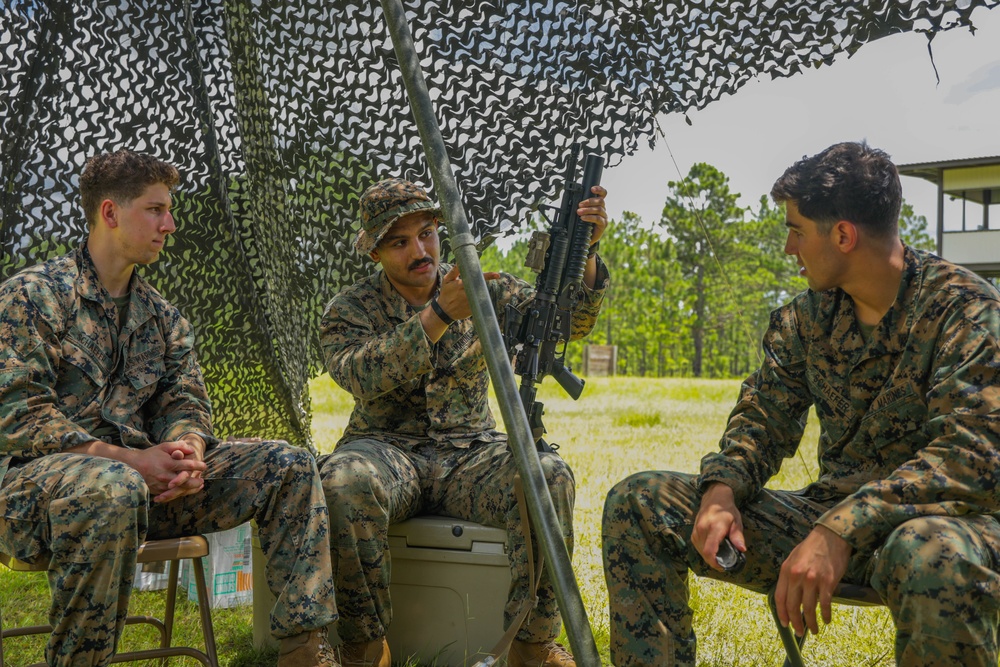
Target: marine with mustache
[{"x": 421, "y": 438}]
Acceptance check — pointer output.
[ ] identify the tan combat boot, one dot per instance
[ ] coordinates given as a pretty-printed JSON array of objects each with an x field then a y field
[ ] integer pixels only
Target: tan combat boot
[
  {"x": 308, "y": 649},
  {"x": 540, "y": 654},
  {"x": 374, "y": 653}
]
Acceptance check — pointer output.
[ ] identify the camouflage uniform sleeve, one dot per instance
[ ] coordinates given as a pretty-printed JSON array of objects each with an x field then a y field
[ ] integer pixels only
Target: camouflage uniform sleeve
[
  {"x": 769, "y": 418},
  {"x": 31, "y": 422},
  {"x": 180, "y": 404},
  {"x": 958, "y": 470},
  {"x": 368, "y": 363},
  {"x": 585, "y": 316},
  {"x": 509, "y": 289}
]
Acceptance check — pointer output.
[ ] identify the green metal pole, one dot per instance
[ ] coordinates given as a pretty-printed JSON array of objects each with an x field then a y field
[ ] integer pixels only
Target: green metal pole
[{"x": 543, "y": 514}]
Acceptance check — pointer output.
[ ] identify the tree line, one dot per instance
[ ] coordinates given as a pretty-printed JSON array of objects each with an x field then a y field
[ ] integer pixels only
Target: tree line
[{"x": 691, "y": 294}]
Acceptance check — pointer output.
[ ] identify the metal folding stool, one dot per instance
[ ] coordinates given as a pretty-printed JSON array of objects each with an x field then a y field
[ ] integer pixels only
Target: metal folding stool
[
  {"x": 153, "y": 551},
  {"x": 847, "y": 594}
]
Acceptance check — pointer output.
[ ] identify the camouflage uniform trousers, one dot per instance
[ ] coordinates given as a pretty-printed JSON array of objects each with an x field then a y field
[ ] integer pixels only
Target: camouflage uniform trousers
[
  {"x": 86, "y": 517},
  {"x": 937, "y": 574},
  {"x": 370, "y": 485}
]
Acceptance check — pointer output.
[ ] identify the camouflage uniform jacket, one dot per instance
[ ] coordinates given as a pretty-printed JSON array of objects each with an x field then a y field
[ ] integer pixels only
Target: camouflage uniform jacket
[
  {"x": 62, "y": 375},
  {"x": 909, "y": 421},
  {"x": 407, "y": 390}
]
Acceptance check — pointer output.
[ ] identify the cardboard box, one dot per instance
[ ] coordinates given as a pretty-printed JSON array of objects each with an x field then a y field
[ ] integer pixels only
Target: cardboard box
[{"x": 228, "y": 569}]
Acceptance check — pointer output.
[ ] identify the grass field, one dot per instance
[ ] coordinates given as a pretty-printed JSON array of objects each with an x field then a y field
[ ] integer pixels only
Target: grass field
[{"x": 618, "y": 427}]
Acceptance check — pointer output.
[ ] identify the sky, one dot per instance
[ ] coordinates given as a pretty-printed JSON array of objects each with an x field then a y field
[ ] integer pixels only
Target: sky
[{"x": 886, "y": 93}]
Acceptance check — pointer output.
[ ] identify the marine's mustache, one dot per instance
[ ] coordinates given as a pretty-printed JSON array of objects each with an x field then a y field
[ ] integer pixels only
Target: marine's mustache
[{"x": 420, "y": 262}]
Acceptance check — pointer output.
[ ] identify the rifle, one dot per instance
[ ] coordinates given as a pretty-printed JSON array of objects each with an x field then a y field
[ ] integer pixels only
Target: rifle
[{"x": 536, "y": 338}]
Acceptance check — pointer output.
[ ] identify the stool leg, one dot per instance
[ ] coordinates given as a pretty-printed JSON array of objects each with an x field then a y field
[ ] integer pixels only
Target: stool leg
[
  {"x": 168, "y": 613},
  {"x": 205, "y": 610},
  {"x": 792, "y": 644}
]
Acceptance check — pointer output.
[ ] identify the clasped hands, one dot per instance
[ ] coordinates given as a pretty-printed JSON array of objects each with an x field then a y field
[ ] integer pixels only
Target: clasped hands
[{"x": 172, "y": 469}]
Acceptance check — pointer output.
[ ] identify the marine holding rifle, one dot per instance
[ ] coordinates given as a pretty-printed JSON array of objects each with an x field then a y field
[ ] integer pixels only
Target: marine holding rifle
[
  {"x": 421, "y": 438},
  {"x": 897, "y": 350}
]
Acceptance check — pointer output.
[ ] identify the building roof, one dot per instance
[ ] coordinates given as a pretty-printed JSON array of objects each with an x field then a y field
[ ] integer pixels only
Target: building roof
[{"x": 931, "y": 171}]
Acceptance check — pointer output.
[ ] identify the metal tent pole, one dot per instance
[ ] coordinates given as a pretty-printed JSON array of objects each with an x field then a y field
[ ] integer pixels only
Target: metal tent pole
[{"x": 547, "y": 527}]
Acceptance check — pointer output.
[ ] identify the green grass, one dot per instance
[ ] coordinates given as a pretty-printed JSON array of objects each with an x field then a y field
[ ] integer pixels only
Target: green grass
[
  {"x": 618, "y": 427},
  {"x": 625, "y": 425},
  {"x": 24, "y": 601}
]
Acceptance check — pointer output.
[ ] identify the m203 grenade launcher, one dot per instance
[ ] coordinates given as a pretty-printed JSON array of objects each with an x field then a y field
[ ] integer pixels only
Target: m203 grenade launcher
[{"x": 537, "y": 334}]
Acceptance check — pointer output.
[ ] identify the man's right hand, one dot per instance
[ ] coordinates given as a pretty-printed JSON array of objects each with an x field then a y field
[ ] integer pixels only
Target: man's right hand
[
  {"x": 452, "y": 294},
  {"x": 717, "y": 519},
  {"x": 453, "y": 300},
  {"x": 170, "y": 469}
]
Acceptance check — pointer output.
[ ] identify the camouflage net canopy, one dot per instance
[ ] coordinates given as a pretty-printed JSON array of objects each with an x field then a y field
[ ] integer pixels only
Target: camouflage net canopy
[{"x": 278, "y": 114}]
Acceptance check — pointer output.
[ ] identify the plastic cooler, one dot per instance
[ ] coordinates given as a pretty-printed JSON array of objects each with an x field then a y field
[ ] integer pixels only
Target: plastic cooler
[{"x": 449, "y": 585}]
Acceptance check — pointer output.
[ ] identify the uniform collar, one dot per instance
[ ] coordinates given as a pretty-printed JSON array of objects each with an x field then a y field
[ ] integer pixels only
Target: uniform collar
[
  {"x": 909, "y": 285},
  {"x": 89, "y": 286},
  {"x": 890, "y": 334},
  {"x": 893, "y": 324}
]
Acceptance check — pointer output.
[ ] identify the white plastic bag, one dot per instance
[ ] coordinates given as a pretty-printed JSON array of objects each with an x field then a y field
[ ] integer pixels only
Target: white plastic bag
[{"x": 228, "y": 569}]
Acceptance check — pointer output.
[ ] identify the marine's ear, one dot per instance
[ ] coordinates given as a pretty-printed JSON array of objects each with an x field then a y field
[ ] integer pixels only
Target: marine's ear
[
  {"x": 845, "y": 235},
  {"x": 108, "y": 213}
]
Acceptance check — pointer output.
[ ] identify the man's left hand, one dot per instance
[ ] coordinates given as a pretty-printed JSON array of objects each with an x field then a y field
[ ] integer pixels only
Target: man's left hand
[
  {"x": 185, "y": 483},
  {"x": 593, "y": 210},
  {"x": 809, "y": 577}
]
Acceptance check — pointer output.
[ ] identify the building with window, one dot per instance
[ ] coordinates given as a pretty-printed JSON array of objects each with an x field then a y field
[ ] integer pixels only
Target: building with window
[{"x": 967, "y": 190}]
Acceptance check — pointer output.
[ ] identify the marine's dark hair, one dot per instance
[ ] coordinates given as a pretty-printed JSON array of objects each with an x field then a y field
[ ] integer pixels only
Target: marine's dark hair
[
  {"x": 121, "y": 176},
  {"x": 848, "y": 181}
]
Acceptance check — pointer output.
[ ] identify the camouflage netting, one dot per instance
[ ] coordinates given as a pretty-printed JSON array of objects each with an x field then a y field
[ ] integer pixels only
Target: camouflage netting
[{"x": 279, "y": 113}]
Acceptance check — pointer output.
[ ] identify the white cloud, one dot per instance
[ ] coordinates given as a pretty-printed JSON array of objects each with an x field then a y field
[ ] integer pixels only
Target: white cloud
[{"x": 983, "y": 80}]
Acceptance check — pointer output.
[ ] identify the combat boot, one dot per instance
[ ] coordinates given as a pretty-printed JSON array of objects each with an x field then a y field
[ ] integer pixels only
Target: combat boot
[
  {"x": 374, "y": 653},
  {"x": 539, "y": 654},
  {"x": 307, "y": 649}
]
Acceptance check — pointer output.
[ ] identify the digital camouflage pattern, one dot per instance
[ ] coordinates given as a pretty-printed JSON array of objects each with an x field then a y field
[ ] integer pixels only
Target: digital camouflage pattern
[
  {"x": 909, "y": 457},
  {"x": 383, "y": 203},
  {"x": 932, "y": 572},
  {"x": 372, "y": 485},
  {"x": 909, "y": 422},
  {"x": 65, "y": 370},
  {"x": 84, "y": 515},
  {"x": 422, "y": 439},
  {"x": 406, "y": 390}
]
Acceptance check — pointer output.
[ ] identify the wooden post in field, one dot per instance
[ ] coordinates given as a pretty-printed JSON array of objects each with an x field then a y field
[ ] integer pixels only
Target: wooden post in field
[{"x": 600, "y": 360}]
